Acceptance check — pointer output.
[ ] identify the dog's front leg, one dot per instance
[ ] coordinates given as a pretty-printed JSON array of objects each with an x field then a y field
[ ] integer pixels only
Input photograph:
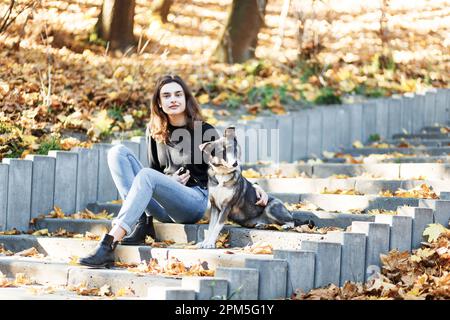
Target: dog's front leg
[
  {"x": 213, "y": 216},
  {"x": 214, "y": 230}
]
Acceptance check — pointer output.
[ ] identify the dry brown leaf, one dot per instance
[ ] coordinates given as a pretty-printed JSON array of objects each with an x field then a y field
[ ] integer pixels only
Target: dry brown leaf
[
  {"x": 4, "y": 251},
  {"x": 200, "y": 269},
  {"x": 91, "y": 236},
  {"x": 259, "y": 247},
  {"x": 422, "y": 192},
  {"x": 222, "y": 240},
  {"x": 30, "y": 252},
  {"x": 56, "y": 213},
  {"x": 251, "y": 173},
  {"x": 352, "y": 192},
  {"x": 382, "y": 211},
  {"x": 22, "y": 280},
  {"x": 41, "y": 232},
  {"x": 12, "y": 232}
]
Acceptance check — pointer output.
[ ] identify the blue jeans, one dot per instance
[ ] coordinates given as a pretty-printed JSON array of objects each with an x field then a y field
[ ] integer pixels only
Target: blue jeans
[{"x": 145, "y": 189}]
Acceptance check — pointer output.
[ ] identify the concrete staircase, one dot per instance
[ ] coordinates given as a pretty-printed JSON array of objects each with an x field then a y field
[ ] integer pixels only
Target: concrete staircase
[{"x": 299, "y": 260}]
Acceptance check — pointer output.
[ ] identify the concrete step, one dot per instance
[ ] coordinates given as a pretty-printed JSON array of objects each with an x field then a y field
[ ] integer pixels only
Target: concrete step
[
  {"x": 338, "y": 203},
  {"x": 414, "y": 142},
  {"x": 39, "y": 292},
  {"x": 379, "y": 171},
  {"x": 418, "y": 160},
  {"x": 180, "y": 233},
  {"x": 418, "y": 151},
  {"x": 331, "y": 219},
  {"x": 238, "y": 236},
  {"x": 281, "y": 187},
  {"x": 433, "y": 129},
  {"x": 63, "y": 274},
  {"x": 62, "y": 249},
  {"x": 425, "y": 136}
]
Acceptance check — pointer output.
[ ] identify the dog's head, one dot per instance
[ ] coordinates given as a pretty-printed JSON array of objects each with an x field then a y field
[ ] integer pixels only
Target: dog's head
[{"x": 223, "y": 154}]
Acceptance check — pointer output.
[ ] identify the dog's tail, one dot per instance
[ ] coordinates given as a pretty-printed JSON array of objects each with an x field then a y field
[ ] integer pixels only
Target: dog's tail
[{"x": 276, "y": 211}]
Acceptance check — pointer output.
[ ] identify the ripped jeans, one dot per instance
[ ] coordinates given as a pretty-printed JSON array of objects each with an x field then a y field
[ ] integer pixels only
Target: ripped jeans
[{"x": 145, "y": 189}]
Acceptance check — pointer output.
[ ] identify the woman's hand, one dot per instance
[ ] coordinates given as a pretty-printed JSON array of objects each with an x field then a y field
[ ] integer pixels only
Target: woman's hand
[
  {"x": 181, "y": 178},
  {"x": 261, "y": 195}
]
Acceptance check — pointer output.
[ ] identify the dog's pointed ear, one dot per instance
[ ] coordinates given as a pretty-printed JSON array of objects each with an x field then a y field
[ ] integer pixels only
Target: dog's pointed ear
[
  {"x": 203, "y": 146},
  {"x": 230, "y": 132}
]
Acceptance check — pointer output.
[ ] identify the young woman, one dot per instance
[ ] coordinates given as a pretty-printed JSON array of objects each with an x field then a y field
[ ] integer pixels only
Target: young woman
[{"x": 174, "y": 187}]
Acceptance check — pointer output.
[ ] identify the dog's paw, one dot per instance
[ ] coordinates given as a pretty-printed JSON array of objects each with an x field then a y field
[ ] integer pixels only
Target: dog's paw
[
  {"x": 261, "y": 226},
  {"x": 205, "y": 245},
  {"x": 288, "y": 226}
]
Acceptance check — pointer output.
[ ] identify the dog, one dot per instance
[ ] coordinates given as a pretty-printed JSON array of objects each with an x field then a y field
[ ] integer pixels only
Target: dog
[{"x": 233, "y": 197}]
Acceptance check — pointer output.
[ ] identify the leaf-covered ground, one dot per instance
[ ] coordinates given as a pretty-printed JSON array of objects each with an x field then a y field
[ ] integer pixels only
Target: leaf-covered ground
[
  {"x": 58, "y": 80},
  {"x": 422, "y": 275}
]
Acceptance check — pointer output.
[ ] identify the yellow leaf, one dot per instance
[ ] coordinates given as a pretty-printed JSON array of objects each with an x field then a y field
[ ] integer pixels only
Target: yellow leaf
[
  {"x": 250, "y": 173},
  {"x": 22, "y": 279},
  {"x": 101, "y": 123},
  {"x": 12, "y": 232},
  {"x": 120, "y": 72},
  {"x": 128, "y": 79},
  {"x": 204, "y": 98},
  {"x": 42, "y": 232},
  {"x": 29, "y": 139},
  {"x": 415, "y": 291},
  {"x": 433, "y": 231},
  {"x": 220, "y": 98},
  {"x": 124, "y": 292},
  {"x": 248, "y": 117},
  {"x": 73, "y": 261},
  {"x": 113, "y": 95},
  {"x": 357, "y": 144}
]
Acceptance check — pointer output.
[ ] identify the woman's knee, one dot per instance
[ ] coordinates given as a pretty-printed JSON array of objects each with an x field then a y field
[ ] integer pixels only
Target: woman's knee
[
  {"x": 147, "y": 175},
  {"x": 117, "y": 151}
]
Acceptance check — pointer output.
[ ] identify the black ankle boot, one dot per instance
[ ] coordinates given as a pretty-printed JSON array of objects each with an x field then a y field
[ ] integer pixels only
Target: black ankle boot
[
  {"x": 103, "y": 256},
  {"x": 143, "y": 228}
]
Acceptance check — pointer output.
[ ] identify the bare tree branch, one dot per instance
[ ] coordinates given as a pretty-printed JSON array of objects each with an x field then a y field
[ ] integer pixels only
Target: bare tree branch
[{"x": 8, "y": 18}]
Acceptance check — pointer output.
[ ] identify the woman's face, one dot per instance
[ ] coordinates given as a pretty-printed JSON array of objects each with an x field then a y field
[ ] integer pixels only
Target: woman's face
[{"x": 173, "y": 101}]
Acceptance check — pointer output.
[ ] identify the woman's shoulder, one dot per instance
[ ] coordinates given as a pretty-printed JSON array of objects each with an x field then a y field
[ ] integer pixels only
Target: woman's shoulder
[{"x": 207, "y": 126}]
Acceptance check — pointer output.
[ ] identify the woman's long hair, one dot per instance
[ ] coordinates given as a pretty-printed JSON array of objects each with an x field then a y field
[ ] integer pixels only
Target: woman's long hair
[{"x": 159, "y": 121}]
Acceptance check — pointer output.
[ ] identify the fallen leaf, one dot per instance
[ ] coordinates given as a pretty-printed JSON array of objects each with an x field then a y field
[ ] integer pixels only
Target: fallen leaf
[
  {"x": 73, "y": 261},
  {"x": 125, "y": 292},
  {"x": 31, "y": 252},
  {"x": 22, "y": 279},
  {"x": 41, "y": 232},
  {"x": 433, "y": 231}
]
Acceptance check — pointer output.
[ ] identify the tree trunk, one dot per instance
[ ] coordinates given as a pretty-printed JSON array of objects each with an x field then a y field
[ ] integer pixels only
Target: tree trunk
[
  {"x": 240, "y": 37},
  {"x": 115, "y": 23},
  {"x": 163, "y": 9}
]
